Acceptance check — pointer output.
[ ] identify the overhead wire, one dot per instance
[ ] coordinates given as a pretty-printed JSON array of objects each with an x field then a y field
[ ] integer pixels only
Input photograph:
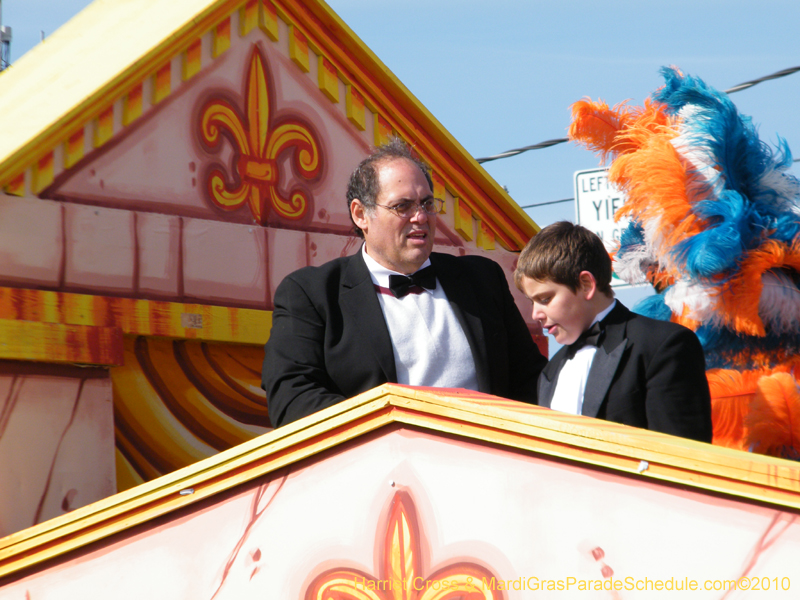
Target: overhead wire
[
  {"x": 554, "y": 142},
  {"x": 546, "y": 203}
]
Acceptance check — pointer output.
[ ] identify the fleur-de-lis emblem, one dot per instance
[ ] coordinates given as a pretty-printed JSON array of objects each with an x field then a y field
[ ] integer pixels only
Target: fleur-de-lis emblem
[
  {"x": 401, "y": 576},
  {"x": 257, "y": 146}
]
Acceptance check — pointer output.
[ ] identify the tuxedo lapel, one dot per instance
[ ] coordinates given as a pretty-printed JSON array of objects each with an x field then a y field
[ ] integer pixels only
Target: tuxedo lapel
[
  {"x": 606, "y": 361},
  {"x": 549, "y": 377},
  {"x": 358, "y": 298},
  {"x": 461, "y": 295}
]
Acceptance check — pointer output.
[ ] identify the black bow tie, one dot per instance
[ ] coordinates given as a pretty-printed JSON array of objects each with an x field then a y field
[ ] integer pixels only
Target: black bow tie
[
  {"x": 591, "y": 337},
  {"x": 400, "y": 285}
]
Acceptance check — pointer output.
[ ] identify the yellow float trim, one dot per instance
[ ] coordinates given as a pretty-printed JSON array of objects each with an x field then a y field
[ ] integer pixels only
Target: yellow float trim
[
  {"x": 138, "y": 317},
  {"x": 57, "y": 343},
  {"x": 531, "y": 430}
]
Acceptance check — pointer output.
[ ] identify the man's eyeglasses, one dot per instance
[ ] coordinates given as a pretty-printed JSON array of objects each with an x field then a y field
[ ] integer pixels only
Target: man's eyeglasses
[{"x": 409, "y": 208}]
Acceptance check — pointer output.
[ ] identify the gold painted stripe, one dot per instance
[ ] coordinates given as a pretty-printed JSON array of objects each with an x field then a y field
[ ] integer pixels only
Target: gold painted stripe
[
  {"x": 328, "y": 79},
  {"x": 248, "y": 17},
  {"x": 356, "y": 110},
  {"x": 268, "y": 19},
  {"x": 298, "y": 48},
  {"x": 147, "y": 423},
  {"x": 16, "y": 185},
  {"x": 104, "y": 126},
  {"x": 187, "y": 401},
  {"x": 56, "y": 343},
  {"x": 138, "y": 317},
  {"x": 462, "y": 219},
  {"x": 162, "y": 82},
  {"x": 383, "y": 132},
  {"x": 439, "y": 190},
  {"x": 229, "y": 372},
  {"x": 603, "y": 437},
  {"x": 222, "y": 37},
  {"x": 175, "y": 399},
  {"x": 43, "y": 170},
  {"x": 127, "y": 477},
  {"x": 132, "y": 105},
  {"x": 485, "y": 237},
  {"x": 74, "y": 148},
  {"x": 192, "y": 59}
]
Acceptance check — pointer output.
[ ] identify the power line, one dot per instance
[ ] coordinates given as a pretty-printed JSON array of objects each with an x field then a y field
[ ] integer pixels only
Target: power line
[
  {"x": 507, "y": 153},
  {"x": 546, "y": 203},
  {"x": 548, "y": 143},
  {"x": 749, "y": 84}
]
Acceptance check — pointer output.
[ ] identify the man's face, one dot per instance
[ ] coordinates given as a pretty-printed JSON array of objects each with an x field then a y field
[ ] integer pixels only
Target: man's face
[
  {"x": 399, "y": 244},
  {"x": 564, "y": 314}
]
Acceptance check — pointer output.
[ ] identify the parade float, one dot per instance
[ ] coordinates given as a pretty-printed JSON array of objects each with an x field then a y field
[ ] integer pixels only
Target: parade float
[{"x": 154, "y": 194}]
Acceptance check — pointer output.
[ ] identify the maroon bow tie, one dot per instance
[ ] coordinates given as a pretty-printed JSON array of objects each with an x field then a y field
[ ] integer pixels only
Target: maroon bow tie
[{"x": 400, "y": 285}]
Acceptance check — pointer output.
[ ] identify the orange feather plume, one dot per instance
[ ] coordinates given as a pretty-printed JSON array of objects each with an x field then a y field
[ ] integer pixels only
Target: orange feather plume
[
  {"x": 685, "y": 320},
  {"x": 736, "y": 394},
  {"x": 739, "y": 299},
  {"x": 731, "y": 395},
  {"x": 645, "y": 122},
  {"x": 656, "y": 179},
  {"x": 596, "y": 126},
  {"x": 772, "y": 425}
]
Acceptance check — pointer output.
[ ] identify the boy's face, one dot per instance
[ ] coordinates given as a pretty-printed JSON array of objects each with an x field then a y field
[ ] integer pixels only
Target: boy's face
[{"x": 564, "y": 314}]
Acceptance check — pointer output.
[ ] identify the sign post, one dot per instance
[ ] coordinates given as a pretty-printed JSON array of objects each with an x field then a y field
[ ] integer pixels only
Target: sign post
[{"x": 596, "y": 201}]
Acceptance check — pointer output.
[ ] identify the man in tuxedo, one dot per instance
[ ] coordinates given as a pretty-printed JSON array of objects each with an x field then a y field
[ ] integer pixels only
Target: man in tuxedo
[
  {"x": 615, "y": 364},
  {"x": 395, "y": 311}
]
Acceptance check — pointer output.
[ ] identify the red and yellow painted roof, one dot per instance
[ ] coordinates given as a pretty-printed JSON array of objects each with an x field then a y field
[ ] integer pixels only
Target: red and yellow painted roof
[{"x": 116, "y": 49}]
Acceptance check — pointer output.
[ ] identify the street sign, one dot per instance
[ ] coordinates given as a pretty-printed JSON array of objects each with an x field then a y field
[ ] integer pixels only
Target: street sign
[{"x": 596, "y": 201}]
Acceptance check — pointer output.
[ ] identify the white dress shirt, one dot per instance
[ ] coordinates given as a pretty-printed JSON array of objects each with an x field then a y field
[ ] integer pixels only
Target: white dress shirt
[
  {"x": 571, "y": 384},
  {"x": 429, "y": 345}
]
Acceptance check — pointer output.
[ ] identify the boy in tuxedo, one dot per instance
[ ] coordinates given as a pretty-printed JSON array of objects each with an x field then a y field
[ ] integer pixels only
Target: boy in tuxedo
[{"x": 614, "y": 364}]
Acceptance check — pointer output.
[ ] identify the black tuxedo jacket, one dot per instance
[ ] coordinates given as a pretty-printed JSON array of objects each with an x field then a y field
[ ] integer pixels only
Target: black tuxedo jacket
[
  {"x": 329, "y": 340},
  {"x": 646, "y": 373}
]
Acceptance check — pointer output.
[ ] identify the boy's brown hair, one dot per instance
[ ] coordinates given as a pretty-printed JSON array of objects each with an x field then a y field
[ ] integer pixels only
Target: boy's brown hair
[{"x": 559, "y": 253}]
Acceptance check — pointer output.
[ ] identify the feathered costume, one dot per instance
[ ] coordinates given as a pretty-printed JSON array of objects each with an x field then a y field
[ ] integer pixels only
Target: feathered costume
[{"x": 715, "y": 227}]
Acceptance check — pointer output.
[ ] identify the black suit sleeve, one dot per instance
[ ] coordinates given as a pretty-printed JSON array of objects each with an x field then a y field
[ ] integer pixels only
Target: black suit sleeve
[
  {"x": 525, "y": 362},
  {"x": 294, "y": 374},
  {"x": 678, "y": 400}
]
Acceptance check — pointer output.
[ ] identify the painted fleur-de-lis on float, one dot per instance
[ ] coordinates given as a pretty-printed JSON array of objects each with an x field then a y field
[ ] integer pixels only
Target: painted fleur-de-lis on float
[
  {"x": 401, "y": 576},
  {"x": 257, "y": 144}
]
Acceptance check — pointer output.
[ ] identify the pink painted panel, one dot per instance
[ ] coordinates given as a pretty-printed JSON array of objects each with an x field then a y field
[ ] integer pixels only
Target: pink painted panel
[
  {"x": 158, "y": 241},
  {"x": 288, "y": 251},
  {"x": 224, "y": 263},
  {"x": 83, "y": 470},
  {"x": 100, "y": 248},
  {"x": 470, "y": 508},
  {"x": 324, "y": 247},
  {"x": 31, "y": 241},
  {"x": 56, "y": 447}
]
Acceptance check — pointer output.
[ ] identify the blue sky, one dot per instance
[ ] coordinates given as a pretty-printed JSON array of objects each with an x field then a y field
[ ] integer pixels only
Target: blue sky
[{"x": 500, "y": 75}]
